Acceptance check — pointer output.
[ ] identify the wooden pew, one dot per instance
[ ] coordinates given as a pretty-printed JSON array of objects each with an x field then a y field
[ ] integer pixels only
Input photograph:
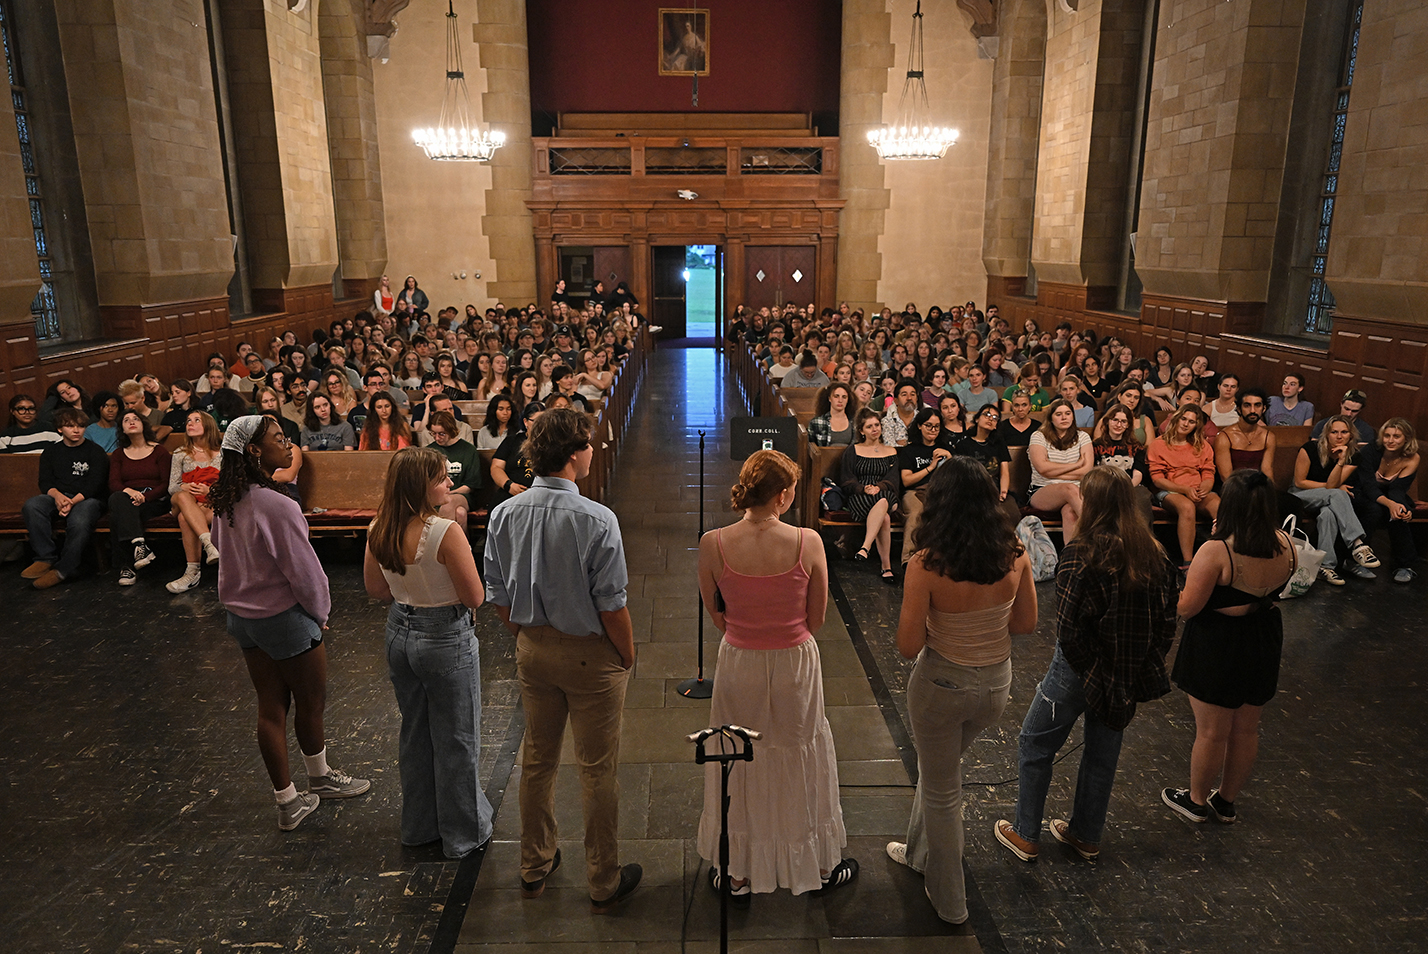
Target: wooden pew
[{"x": 801, "y": 401}]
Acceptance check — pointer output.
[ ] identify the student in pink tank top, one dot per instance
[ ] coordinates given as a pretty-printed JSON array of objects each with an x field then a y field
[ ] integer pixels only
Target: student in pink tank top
[{"x": 765, "y": 585}]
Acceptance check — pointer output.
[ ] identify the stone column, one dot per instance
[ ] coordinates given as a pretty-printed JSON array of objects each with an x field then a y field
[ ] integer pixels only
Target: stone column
[
  {"x": 1011, "y": 153},
  {"x": 351, "y": 108},
  {"x": 280, "y": 124},
  {"x": 867, "y": 57},
  {"x": 1092, "y": 61},
  {"x": 500, "y": 34}
]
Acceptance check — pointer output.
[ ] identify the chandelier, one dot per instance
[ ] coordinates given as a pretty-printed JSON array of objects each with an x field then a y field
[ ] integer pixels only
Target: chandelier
[
  {"x": 455, "y": 138},
  {"x": 914, "y": 137}
]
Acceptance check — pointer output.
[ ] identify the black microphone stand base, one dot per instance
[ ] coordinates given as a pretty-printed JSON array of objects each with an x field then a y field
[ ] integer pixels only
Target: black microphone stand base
[{"x": 698, "y": 688}]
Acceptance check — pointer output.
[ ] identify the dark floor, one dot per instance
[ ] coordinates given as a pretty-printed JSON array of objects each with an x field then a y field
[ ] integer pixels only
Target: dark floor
[{"x": 142, "y": 819}]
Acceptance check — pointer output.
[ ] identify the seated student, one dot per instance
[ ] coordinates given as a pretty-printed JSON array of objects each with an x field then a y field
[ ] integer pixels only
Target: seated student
[
  {"x": 1164, "y": 396},
  {"x": 193, "y": 471},
  {"x": 74, "y": 479},
  {"x": 832, "y": 421},
  {"x": 384, "y": 427},
  {"x": 270, "y": 404},
  {"x": 808, "y": 375},
  {"x": 1247, "y": 444},
  {"x": 1285, "y": 408},
  {"x": 898, "y": 417},
  {"x": 138, "y": 491},
  {"x": 131, "y": 393},
  {"x": 1085, "y": 406},
  {"x": 916, "y": 461},
  {"x": 871, "y": 481},
  {"x": 1323, "y": 471},
  {"x": 227, "y": 405},
  {"x": 563, "y": 381},
  {"x": 1351, "y": 406},
  {"x": 216, "y": 362},
  {"x": 1132, "y": 398},
  {"x": 1028, "y": 383},
  {"x": 510, "y": 468},
  {"x": 974, "y": 392},
  {"x": 463, "y": 466},
  {"x": 954, "y": 419},
  {"x": 24, "y": 434},
  {"x": 1224, "y": 411},
  {"x": 1060, "y": 455},
  {"x": 295, "y": 409},
  {"x": 1381, "y": 498},
  {"x": 182, "y": 400},
  {"x": 1191, "y": 394},
  {"x": 105, "y": 429},
  {"x": 440, "y": 403},
  {"x": 1116, "y": 446},
  {"x": 64, "y": 393},
  {"x": 1018, "y": 425},
  {"x": 1182, "y": 467},
  {"x": 500, "y": 413},
  {"x": 983, "y": 443}
]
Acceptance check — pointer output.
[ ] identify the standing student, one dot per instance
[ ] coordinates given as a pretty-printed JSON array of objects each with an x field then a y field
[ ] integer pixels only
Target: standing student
[
  {"x": 555, "y": 571},
  {"x": 785, "y": 819},
  {"x": 1115, "y": 620},
  {"x": 968, "y": 588},
  {"x": 268, "y": 562},
  {"x": 423, "y": 564}
]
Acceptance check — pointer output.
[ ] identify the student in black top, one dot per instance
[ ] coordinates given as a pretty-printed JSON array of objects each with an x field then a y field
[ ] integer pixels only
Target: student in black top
[
  {"x": 1016, "y": 429},
  {"x": 917, "y": 459},
  {"x": 983, "y": 443},
  {"x": 74, "y": 482},
  {"x": 562, "y": 380},
  {"x": 510, "y": 468}
]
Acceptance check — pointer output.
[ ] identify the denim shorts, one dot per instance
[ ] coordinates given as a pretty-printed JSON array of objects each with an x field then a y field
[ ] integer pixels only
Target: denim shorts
[{"x": 290, "y": 633}]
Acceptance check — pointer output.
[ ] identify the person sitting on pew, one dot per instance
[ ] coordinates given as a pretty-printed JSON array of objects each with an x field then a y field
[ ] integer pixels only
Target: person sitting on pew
[
  {"x": 1117, "y": 447},
  {"x": 1073, "y": 393},
  {"x": 1285, "y": 408},
  {"x": 323, "y": 429},
  {"x": 1017, "y": 424},
  {"x": 1191, "y": 394},
  {"x": 524, "y": 389},
  {"x": 510, "y": 467},
  {"x": 563, "y": 381},
  {"x": 131, "y": 393},
  {"x": 954, "y": 419},
  {"x": 1060, "y": 455},
  {"x": 63, "y": 393},
  {"x": 24, "y": 434},
  {"x": 1028, "y": 383},
  {"x": 1323, "y": 470},
  {"x": 833, "y": 416},
  {"x": 442, "y": 403},
  {"x": 1351, "y": 406},
  {"x": 104, "y": 431},
  {"x": 1381, "y": 498},
  {"x": 1182, "y": 466},
  {"x": 808, "y": 375},
  {"x": 1247, "y": 444},
  {"x": 138, "y": 484},
  {"x": 74, "y": 475},
  {"x": 500, "y": 412},
  {"x": 872, "y": 486},
  {"x": 898, "y": 417},
  {"x": 917, "y": 459},
  {"x": 269, "y": 402},
  {"x": 384, "y": 427},
  {"x": 983, "y": 443},
  {"x": 463, "y": 466},
  {"x": 1132, "y": 398},
  {"x": 194, "y": 469}
]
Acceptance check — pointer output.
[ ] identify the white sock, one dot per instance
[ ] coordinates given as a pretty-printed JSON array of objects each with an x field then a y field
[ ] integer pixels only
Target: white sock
[
  {"x": 316, "y": 764},
  {"x": 137, "y": 541},
  {"x": 206, "y": 539},
  {"x": 192, "y": 568},
  {"x": 286, "y": 795}
]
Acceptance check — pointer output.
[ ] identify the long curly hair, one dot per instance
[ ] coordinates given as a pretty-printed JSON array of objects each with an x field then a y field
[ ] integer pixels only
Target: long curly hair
[
  {"x": 241, "y": 470},
  {"x": 965, "y": 534}
]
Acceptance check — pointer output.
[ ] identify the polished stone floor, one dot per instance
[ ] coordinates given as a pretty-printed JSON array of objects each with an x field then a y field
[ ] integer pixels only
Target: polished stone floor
[{"x": 139, "y": 817}]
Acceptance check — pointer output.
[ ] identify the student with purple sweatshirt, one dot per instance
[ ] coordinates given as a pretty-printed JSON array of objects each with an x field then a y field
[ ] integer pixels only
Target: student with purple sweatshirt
[{"x": 267, "y": 561}]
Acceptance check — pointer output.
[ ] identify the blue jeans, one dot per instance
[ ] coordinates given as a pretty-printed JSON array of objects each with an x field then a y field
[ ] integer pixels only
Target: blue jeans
[
  {"x": 436, "y": 672},
  {"x": 40, "y": 512},
  {"x": 1334, "y": 516},
  {"x": 949, "y": 706},
  {"x": 1059, "y": 702}
]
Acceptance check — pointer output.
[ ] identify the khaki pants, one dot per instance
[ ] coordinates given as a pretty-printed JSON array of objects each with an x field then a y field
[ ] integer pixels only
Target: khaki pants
[{"x": 582, "y": 680}]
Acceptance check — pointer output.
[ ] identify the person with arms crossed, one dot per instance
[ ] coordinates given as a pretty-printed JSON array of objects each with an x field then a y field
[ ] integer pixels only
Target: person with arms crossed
[{"x": 555, "y": 571}]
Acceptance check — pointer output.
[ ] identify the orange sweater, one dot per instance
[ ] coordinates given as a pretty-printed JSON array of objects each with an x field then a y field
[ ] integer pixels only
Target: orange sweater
[{"x": 1180, "y": 463}]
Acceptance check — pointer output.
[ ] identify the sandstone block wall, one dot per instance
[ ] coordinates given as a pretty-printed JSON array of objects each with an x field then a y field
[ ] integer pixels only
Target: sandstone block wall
[
  {"x": 867, "y": 61},
  {"x": 1013, "y": 137}
]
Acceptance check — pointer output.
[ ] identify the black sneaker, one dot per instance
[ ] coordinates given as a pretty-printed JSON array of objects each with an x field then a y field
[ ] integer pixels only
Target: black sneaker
[
  {"x": 740, "y": 895},
  {"x": 143, "y": 556},
  {"x": 1223, "y": 811},
  {"x": 630, "y": 876},
  {"x": 845, "y": 871},
  {"x": 1179, "y": 799},
  {"x": 534, "y": 889}
]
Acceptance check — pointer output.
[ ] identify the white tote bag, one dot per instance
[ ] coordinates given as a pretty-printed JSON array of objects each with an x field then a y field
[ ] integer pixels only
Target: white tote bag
[{"x": 1310, "y": 560}]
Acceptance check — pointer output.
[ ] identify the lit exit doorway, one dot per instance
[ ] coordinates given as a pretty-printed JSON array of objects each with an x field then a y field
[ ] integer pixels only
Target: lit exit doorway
[{"x": 688, "y": 290}]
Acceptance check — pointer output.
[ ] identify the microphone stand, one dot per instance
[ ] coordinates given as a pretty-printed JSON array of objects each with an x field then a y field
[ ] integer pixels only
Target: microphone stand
[
  {"x": 699, "y": 687},
  {"x": 726, "y": 762}
]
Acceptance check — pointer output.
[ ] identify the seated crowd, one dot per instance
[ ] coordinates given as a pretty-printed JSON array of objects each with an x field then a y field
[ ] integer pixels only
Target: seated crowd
[
  {"x": 387, "y": 378},
  {"x": 905, "y": 393}
]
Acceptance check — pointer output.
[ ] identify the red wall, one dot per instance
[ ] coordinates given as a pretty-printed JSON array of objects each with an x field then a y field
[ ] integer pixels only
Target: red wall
[{"x": 764, "y": 56}]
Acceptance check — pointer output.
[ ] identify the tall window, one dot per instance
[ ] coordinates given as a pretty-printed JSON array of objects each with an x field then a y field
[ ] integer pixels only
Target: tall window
[
  {"x": 1318, "y": 316},
  {"x": 47, "y": 324}
]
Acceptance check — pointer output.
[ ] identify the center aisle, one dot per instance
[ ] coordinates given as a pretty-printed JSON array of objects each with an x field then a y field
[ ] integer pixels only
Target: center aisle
[{"x": 656, "y": 496}]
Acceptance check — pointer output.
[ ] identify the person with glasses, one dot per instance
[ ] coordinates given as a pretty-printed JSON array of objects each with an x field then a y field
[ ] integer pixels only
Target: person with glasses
[
  {"x": 24, "y": 434},
  {"x": 917, "y": 459},
  {"x": 983, "y": 443}
]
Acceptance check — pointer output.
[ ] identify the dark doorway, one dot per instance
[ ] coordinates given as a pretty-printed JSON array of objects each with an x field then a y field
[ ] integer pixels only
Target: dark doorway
[{"x": 669, "y": 291}]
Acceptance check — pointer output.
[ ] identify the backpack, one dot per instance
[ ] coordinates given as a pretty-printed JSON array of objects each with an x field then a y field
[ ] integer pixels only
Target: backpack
[
  {"x": 830, "y": 497},
  {"x": 1039, "y": 548}
]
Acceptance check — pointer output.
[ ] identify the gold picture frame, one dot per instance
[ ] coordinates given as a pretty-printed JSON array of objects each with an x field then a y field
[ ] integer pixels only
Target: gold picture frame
[{"x": 683, "y": 41}]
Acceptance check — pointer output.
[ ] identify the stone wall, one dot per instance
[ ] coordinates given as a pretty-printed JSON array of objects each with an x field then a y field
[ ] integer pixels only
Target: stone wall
[
  {"x": 931, "y": 244},
  {"x": 1013, "y": 137},
  {"x": 433, "y": 210},
  {"x": 1378, "y": 252},
  {"x": 867, "y": 60}
]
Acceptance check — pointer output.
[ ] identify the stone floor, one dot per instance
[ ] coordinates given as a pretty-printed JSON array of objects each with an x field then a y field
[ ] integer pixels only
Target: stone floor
[{"x": 140, "y": 818}]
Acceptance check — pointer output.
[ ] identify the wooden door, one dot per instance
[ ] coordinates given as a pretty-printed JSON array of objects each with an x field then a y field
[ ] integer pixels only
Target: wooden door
[
  {"x": 776, "y": 274},
  {"x": 612, "y": 266},
  {"x": 669, "y": 305}
]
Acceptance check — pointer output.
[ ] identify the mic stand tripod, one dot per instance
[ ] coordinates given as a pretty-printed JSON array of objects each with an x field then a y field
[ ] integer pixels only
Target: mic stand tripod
[
  {"x": 699, "y": 687},
  {"x": 726, "y": 760}
]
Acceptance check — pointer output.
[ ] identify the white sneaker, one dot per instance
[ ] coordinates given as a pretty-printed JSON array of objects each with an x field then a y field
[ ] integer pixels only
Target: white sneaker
[
  {"x": 1331, "y": 576},
  {"x": 190, "y": 579},
  {"x": 897, "y": 851},
  {"x": 1364, "y": 556},
  {"x": 210, "y": 554}
]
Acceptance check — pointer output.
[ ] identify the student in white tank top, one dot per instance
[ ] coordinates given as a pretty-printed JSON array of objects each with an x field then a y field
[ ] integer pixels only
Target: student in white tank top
[{"x": 423, "y": 563}]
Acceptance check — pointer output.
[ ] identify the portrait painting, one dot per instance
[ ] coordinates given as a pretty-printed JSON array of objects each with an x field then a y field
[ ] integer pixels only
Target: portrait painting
[{"x": 683, "y": 42}]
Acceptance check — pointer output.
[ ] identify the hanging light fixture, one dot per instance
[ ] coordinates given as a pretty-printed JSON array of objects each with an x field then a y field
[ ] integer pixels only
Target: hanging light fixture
[
  {"x": 455, "y": 138},
  {"x": 914, "y": 137}
]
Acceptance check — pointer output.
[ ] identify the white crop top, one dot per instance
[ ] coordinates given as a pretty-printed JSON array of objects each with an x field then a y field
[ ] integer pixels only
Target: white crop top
[{"x": 426, "y": 582}]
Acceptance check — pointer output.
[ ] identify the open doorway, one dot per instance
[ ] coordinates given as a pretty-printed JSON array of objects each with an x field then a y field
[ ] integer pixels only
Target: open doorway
[{"x": 704, "y": 283}]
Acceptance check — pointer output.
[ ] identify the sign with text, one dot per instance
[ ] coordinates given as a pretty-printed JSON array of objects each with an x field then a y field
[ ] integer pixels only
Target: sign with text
[{"x": 750, "y": 434}]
